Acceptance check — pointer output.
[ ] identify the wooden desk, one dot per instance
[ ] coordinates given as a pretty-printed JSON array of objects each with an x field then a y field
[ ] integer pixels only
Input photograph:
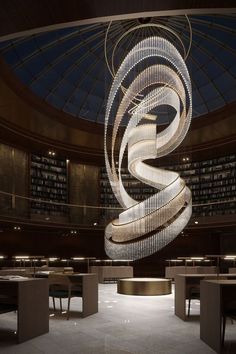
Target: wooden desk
[
  {"x": 214, "y": 293},
  {"x": 171, "y": 272},
  {"x": 87, "y": 283},
  {"x": 31, "y": 299},
  {"x": 182, "y": 281},
  {"x": 89, "y": 286},
  {"x": 112, "y": 273}
]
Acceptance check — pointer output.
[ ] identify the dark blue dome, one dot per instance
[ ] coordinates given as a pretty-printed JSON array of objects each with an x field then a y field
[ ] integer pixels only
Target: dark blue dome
[{"x": 67, "y": 67}]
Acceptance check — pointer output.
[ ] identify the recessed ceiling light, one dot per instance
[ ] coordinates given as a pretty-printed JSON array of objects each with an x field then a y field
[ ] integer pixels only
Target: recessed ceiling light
[
  {"x": 51, "y": 153},
  {"x": 17, "y": 228},
  {"x": 73, "y": 232}
]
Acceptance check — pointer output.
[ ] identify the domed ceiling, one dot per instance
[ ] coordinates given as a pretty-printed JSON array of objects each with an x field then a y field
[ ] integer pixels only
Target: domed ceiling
[{"x": 67, "y": 67}]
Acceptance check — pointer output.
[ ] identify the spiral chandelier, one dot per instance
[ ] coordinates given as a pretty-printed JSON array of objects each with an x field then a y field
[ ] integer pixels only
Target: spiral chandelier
[{"x": 145, "y": 227}]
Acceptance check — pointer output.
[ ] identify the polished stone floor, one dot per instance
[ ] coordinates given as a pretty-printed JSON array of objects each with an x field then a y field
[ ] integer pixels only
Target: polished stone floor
[{"x": 124, "y": 324}]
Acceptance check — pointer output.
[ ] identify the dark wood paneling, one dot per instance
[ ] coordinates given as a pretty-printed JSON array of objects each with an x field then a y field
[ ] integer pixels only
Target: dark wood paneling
[
  {"x": 228, "y": 242},
  {"x": 197, "y": 242},
  {"x": 24, "y": 124},
  {"x": 83, "y": 190},
  {"x": 13, "y": 179},
  {"x": 26, "y": 15},
  {"x": 52, "y": 243},
  {"x": 90, "y": 242}
]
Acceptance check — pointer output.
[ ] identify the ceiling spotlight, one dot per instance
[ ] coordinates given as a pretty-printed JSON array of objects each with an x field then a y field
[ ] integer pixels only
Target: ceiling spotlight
[
  {"x": 51, "y": 153},
  {"x": 196, "y": 222},
  {"x": 73, "y": 232},
  {"x": 95, "y": 224},
  {"x": 17, "y": 228}
]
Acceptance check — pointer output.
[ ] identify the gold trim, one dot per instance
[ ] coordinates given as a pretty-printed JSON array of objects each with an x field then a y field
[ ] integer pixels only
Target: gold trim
[{"x": 144, "y": 286}]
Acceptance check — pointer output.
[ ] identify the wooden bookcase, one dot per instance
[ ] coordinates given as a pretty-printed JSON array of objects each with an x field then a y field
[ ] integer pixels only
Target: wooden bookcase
[{"x": 48, "y": 181}]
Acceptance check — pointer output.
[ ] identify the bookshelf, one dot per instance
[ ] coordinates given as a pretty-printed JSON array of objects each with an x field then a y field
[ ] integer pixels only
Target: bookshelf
[
  {"x": 48, "y": 181},
  {"x": 212, "y": 182}
]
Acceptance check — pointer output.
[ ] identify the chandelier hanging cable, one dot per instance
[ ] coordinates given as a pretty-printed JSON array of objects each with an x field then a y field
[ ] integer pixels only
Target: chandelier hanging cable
[{"x": 144, "y": 228}]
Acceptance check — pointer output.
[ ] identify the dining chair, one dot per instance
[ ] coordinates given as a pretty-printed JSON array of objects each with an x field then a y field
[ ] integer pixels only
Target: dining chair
[
  {"x": 8, "y": 302},
  {"x": 61, "y": 287},
  {"x": 4, "y": 308},
  {"x": 228, "y": 311},
  {"x": 193, "y": 290},
  {"x": 193, "y": 293}
]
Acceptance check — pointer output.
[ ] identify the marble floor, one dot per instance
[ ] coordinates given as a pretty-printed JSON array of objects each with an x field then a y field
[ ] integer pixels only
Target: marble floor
[{"x": 124, "y": 325}]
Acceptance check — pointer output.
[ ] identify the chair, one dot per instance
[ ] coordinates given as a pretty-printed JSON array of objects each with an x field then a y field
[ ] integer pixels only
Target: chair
[
  {"x": 229, "y": 310},
  {"x": 8, "y": 301},
  {"x": 7, "y": 304},
  {"x": 193, "y": 293},
  {"x": 4, "y": 308},
  {"x": 61, "y": 287},
  {"x": 193, "y": 290}
]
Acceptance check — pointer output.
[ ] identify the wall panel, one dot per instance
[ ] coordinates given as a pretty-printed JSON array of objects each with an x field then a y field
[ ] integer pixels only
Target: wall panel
[
  {"x": 84, "y": 190},
  {"x": 13, "y": 179}
]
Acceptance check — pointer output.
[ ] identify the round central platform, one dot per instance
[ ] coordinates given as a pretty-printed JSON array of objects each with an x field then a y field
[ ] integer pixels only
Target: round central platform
[{"x": 144, "y": 286}]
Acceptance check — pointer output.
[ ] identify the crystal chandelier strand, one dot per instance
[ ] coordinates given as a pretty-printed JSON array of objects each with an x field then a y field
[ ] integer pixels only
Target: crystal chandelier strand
[
  {"x": 144, "y": 228},
  {"x": 165, "y": 98}
]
